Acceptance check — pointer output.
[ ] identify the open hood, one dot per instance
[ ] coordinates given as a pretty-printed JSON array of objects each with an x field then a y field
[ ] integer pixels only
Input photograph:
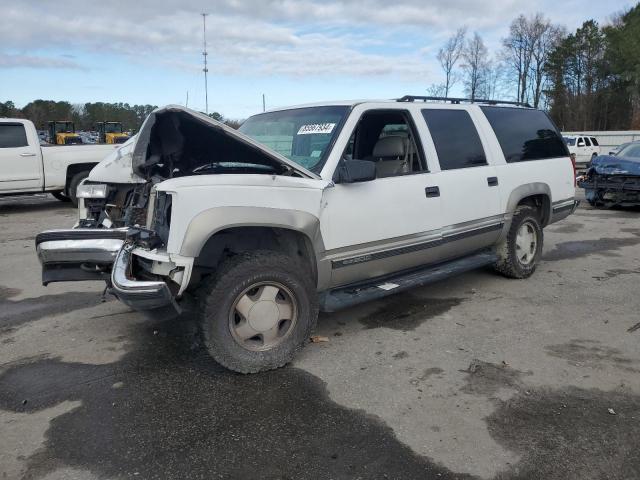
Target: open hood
[{"x": 175, "y": 141}]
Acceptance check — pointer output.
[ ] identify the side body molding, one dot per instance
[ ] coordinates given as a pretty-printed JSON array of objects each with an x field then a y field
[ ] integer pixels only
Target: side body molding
[{"x": 207, "y": 223}]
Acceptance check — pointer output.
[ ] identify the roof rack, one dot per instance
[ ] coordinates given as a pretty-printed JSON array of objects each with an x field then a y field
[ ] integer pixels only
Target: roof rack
[{"x": 413, "y": 98}]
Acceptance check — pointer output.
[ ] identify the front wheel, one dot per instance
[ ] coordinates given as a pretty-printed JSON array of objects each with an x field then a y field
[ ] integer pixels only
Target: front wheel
[
  {"x": 518, "y": 254},
  {"x": 258, "y": 311},
  {"x": 73, "y": 186}
]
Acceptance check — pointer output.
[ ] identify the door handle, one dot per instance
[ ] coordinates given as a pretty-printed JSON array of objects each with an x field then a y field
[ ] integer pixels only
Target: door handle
[
  {"x": 27, "y": 154},
  {"x": 432, "y": 191},
  {"x": 492, "y": 181}
]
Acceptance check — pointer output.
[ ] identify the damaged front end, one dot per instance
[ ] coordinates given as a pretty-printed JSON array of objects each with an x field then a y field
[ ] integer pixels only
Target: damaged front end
[
  {"x": 125, "y": 218},
  {"x": 612, "y": 181}
]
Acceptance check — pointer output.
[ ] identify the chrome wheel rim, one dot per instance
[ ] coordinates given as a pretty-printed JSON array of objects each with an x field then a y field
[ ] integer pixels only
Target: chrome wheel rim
[
  {"x": 262, "y": 316},
  {"x": 526, "y": 243}
]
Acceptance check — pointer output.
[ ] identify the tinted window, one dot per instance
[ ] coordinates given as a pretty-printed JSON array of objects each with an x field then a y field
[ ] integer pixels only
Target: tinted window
[
  {"x": 581, "y": 142},
  {"x": 525, "y": 134},
  {"x": 586, "y": 140},
  {"x": 455, "y": 137},
  {"x": 570, "y": 141},
  {"x": 12, "y": 135},
  {"x": 594, "y": 141}
]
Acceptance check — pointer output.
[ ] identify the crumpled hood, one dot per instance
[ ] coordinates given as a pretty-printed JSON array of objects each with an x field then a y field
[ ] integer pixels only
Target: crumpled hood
[
  {"x": 116, "y": 167},
  {"x": 610, "y": 165},
  {"x": 171, "y": 133}
]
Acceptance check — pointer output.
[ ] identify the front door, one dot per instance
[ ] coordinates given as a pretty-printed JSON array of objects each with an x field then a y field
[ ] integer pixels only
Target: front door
[
  {"x": 20, "y": 167},
  {"x": 388, "y": 224}
]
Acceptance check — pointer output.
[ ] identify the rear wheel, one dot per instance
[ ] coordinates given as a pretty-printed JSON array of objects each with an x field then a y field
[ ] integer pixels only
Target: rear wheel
[
  {"x": 258, "y": 311},
  {"x": 73, "y": 186},
  {"x": 519, "y": 253}
]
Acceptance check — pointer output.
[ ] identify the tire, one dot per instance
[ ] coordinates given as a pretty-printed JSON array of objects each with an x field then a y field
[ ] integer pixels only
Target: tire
[
  {"x": 73, "y": 186},
  {"x": 240, "y": 300},
  {"x": 513, "y": 260},
  {"x": 60, "y": 196}
]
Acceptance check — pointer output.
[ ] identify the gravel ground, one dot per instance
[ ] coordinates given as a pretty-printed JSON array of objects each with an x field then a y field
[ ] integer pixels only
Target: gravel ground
[{"x": 473, "y": 377}]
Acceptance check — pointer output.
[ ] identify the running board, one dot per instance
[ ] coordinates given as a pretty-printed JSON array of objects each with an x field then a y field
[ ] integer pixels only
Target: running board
[{"x": 350, "y": 295}]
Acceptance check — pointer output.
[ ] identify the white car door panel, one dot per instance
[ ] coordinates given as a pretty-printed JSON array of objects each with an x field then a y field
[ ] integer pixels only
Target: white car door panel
[{"x": 20, "y": 162}]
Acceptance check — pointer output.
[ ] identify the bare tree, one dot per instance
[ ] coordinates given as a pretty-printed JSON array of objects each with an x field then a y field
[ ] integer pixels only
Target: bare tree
[
  {"x": 436, "y": 90},
  {"x": 475, "y": 56},
  {"x": 448, "y": 57}
]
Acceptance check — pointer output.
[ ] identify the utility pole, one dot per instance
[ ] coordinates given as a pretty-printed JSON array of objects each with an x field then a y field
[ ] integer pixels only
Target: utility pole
[
  {"x": 204, "y": 55},
  {"x": 186, "y": 104},
  {"x": 264, "y": 107}
]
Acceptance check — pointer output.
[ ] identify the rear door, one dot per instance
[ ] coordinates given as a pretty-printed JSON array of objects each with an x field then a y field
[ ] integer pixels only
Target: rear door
[
  {"x": 469, "y": 185},
  {"x": 583, "y": 153},
  {"x": 20, "y": 159}
]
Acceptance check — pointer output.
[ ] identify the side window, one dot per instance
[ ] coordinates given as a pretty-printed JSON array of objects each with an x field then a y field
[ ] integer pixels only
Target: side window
[
  {"x": 387, "y": 138},
  {"x": 587, "y": 141},
  {"x": 525, "y": 134},
  {"x": 581, "y": 142},
  {"x": 594, "y": 141},
  {"x": 12, "y": 135},
  {"x": 455, "y": 137}
]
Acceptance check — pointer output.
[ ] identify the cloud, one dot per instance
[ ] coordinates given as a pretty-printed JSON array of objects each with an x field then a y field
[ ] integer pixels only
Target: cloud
[{"x": 31, "y": 61}]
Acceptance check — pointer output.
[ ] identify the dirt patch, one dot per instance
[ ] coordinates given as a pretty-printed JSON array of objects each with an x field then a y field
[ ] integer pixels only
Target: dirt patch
[
  {"x": 7, "y": 292},
  {"x": 405, "y": 311},
  {"x": 570, "y": 434},
  {"x": 484, "y": 378},
  {"x": 567, "y": 228},
  {"x": 581, "y": 248},
  {"x": 616, "y": 272},
  {"x": 166, "y": 410},
  {"x": 14, "y": 313},
  {"x": 592, "y": 354}
]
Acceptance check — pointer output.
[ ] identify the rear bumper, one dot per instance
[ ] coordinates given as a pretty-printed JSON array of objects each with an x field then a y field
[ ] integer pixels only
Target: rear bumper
[
  {"x": 138, "y": 294},
  {"x": 78, "y": 254}
]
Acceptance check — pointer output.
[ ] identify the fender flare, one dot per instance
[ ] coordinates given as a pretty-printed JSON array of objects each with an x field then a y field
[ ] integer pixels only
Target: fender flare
[{"x": 527, "y": 190}]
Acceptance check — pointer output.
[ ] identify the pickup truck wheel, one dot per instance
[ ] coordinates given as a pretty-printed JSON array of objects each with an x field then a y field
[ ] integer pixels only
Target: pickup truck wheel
[
  {"x": 60, "y": 196},
  {"x": 73, "y": 186},
  {"x": 257, "y": 312},
  {"x": 519, "y": 253}
]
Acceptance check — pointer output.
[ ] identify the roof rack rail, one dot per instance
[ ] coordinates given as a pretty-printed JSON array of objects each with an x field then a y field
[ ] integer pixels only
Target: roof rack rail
[{"x": 413, "y": 98}]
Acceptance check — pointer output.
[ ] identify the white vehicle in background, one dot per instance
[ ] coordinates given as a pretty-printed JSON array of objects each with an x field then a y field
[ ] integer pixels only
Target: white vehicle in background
[
  {"x": 586, "y": 148},
  {"x": 308, "y": 208},
  {"x": 28, "y": 166}
]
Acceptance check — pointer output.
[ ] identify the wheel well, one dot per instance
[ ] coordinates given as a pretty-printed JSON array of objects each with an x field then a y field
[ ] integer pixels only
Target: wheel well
[
  {"x": 232, "y": 241},
  {"x": 541, "y": 203},
  {"x": 76, "y": 168}
]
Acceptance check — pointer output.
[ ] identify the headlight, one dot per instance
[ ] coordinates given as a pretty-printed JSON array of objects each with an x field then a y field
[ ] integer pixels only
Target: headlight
[{"x": 88, "y": 190}]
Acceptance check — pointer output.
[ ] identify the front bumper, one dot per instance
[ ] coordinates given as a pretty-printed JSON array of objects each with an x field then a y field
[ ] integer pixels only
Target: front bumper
[
  {"x": 138, "y": 294},
  {"x": 78, "y": 254}
]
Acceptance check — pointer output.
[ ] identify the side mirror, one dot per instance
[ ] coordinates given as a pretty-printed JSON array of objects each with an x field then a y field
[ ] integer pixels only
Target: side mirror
[{"x": 352, "y": 171}]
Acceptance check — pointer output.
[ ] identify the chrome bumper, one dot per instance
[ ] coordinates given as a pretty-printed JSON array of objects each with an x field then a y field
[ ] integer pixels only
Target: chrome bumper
[
  {"x": 78, "y": 254},
  {"x": 138, "y": 294}
]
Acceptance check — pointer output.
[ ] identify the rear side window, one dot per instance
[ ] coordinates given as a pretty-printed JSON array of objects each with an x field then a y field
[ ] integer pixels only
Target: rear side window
[
  {"x": 586, "y": 140},
  {"x": 594, "y": 141},
  {"x": 455, "y": 137},
  {"x": 525, "y": 134},
  {"x": 12, "y": 135}
]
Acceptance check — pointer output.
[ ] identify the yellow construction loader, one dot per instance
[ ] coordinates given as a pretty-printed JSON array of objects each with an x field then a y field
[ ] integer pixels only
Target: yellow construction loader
[
  {"x": 63, "y": 133},
  {"x": 111, "y": 132}
]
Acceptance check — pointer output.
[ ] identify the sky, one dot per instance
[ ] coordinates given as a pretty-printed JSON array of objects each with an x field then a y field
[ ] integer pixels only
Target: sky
[{"x": 292, "y": 51}]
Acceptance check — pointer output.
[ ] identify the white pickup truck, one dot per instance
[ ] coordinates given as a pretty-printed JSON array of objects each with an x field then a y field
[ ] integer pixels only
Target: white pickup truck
[
  {"x": 28, "y": 167},
  {"x": 312, "y": 208}
]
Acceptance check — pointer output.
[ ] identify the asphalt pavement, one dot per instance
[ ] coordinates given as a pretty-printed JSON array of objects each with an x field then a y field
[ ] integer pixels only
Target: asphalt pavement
[{"x": 474, "y": 377}]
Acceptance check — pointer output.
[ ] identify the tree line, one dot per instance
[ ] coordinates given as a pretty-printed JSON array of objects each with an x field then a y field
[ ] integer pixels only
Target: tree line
[
  {"x": 587, "y": 80},
  {"x": 85, "y": 116}
]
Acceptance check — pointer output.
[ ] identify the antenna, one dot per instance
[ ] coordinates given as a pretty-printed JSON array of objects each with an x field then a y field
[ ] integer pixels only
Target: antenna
[{"x": 204, "y": 55}]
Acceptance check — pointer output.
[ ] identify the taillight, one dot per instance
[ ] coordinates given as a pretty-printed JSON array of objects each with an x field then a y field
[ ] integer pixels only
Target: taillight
[{"x": 575, "y": 172}]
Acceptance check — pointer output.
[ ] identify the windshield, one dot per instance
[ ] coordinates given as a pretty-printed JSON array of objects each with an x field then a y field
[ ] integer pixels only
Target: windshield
[
  {"x": 632, "y": 150},
  {"x": 569, "y": 141},
  {"x": 303, "y": 135},
  {"x": 113, "y": 128}
]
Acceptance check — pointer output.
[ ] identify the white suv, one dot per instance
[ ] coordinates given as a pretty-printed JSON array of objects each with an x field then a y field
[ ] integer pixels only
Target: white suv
[
  {"x": 312, "y": 207},
  {"x": 585, "y": 148}
]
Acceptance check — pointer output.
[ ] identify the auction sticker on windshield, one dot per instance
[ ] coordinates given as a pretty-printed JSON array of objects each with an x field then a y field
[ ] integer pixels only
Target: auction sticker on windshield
[{"x": 316, "y": 128}]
